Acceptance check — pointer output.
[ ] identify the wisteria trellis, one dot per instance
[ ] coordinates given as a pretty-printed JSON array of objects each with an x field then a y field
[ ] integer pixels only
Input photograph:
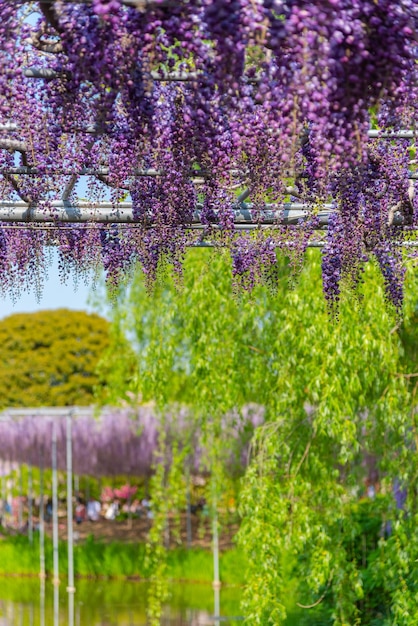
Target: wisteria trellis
[
  {"x": 187, "y": 109},
  {"x": 119, "y": 442}
]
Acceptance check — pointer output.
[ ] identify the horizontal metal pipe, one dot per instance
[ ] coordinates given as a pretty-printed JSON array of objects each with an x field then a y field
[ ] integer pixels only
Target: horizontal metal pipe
[
  {"x": 105, "y": 212},
  {"x": 90, "y": 129},
  {"x": 12, "y": 144},
  {"x": 183, "y": 77},
  {"x": 176, "y": 77},
  {"x": 198, "y": 175},
  {"x": 395, "y": 134},
  {"x": 10, "y": 414},
  {"x": 84, "y": 171},
  {"x": 139, "y": 4},
  {"x": 102, "y": 171},
  {"x": 9, "y": 127}
]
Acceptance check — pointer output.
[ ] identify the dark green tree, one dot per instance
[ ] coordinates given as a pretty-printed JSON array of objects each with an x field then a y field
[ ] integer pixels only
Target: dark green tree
[{"x": 48, "y": 358}]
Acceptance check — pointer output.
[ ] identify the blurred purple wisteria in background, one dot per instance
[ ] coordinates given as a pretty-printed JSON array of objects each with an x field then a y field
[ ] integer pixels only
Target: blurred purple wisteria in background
[{"x": 121, "y": 441}]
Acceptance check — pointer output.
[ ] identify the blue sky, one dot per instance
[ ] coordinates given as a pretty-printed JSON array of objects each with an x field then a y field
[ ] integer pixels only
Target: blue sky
[{"x": 55, "y": 295}]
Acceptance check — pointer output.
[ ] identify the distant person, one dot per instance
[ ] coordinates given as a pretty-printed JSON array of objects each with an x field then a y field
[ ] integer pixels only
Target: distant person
[
  {"x": 80, "y": 511},
  {"x": 136, "y": 508},
  {"x": 93, "y": 510},
  {"x": 112, "y": 511},
  {"x": 146, "y": 505},
  {"x": 48, "y": 511}
]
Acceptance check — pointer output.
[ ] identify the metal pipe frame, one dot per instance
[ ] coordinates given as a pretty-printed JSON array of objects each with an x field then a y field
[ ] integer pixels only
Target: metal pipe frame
[
  {"x": 197, "y": 176},
  {"x": 140, "y": 4},
  {"x": 246, "y": 217},
  {"x": 106, "y": 213},
  {"x": 47, "y": 73},
  {"x": 55, "y": 549},
  {"x": 183, "y": 77}
]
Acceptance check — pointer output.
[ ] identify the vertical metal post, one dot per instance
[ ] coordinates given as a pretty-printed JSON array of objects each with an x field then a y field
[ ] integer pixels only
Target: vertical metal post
[
  {"x": 42, "y": 603},
  {"x": 3, "y": 494},
  {"x": 55, "y": 502},
  {"x": 30, "y": 504},
  {"x": 11, "y": 484},
  {"x": 215, "y": 541},
  {"x": 70, "y": 536},
  {"x": 188, "y": 511},
  {"x": 20, "y": 503},
  {"x": 41, "y": 520}
]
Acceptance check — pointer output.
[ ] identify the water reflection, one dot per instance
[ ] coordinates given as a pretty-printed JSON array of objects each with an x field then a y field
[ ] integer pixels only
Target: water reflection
[{"x": 102, "y": 603}]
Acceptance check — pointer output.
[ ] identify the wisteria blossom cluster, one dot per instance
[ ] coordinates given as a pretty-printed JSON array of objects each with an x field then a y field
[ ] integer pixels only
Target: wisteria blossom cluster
[
  {"x": 196, "y": 111},
  {"x": 122, "y": 441}
]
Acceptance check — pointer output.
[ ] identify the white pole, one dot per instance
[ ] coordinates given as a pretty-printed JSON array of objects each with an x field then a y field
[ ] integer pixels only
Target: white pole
[
  {"x": 70, "y": 537},
  {"x": 216, "y": 582},
  {"x": 3, "y": 494},
  {"x": 10, "y": 498},
  {"x": 42, "y": 602},
  {"x": 30, "y": 504},
  {"x": 20, "y": 503},
  {"x": 189, "y": 534},
  {"x": 56, "y": 579},
  {"x": 41, "y": 520}
]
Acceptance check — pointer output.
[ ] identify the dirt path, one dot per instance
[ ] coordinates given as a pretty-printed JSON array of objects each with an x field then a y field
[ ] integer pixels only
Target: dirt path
[{"x": 136, "y": 530}]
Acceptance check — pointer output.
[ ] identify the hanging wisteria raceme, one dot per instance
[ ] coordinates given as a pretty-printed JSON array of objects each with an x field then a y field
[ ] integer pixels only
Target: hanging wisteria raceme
[
  {"x": 121, "y": 442},
  {"x": 189, "y": 109}
]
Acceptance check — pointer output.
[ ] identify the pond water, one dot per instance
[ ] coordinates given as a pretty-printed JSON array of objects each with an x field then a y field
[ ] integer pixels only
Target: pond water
[
  {"x": 24, "y": 602},
  {"x": 27, "y": 602}
]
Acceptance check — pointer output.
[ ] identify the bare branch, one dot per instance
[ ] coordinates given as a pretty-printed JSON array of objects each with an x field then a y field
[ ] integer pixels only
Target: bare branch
[
  {"x": 105, "y": 179},
  {"x": 405, "y": 210},
  {"x": 69, "y": 187},
  {"x": 311, "y": 606},
  {"x": 48, "y": 11},
  {"x": 45, "y": 45},
  {"x": 13, "y": 182}
]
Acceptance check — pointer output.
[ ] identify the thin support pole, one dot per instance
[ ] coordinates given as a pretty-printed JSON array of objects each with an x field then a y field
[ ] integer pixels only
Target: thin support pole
[
  {"x": 215, "y": 546},
  {"x": 56, "y": 579},
  {"x": 3, "y": 494},
  {"x": 71, "y": 605},
  {"x": 70, "y": 534},
  {"x": 20, "y": 503},
  {"x": 41, "y": 520},
  {"x": 11, "y": 485},
  {"x": 30, "y": 504},
  {"x": 42, "y": 603},
  {"x": 189, "y": 534},
  {"x": 129, "y": 512}
]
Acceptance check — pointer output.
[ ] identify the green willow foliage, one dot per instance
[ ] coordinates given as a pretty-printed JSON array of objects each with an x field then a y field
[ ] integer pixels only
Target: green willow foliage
[{"x": 339, "y": 400}]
